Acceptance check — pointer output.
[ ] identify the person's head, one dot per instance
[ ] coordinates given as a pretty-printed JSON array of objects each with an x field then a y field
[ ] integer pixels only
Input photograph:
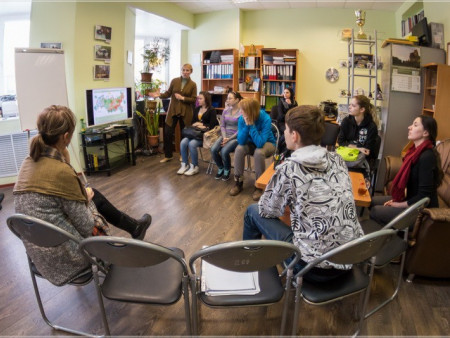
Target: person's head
[
  {"x": 233, "y": 98},
  {"x": 204, "y": 99},
  {"x": 250, "y": 109},
  {"x": 361, "y": 105},
  {"x": 288, "y": 93},
  {"x": 56, "y": 125},
  {"x": 304, "y": 126},
  {"x": 186, "y": 70},
  {"x": 423, "y": 128}
]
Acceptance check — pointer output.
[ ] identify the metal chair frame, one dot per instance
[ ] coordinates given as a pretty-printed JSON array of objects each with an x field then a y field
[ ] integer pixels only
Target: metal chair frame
[
  {"x": 357, "y": 251},
  {"x": 45, "y": 234},
  {"x": 258, "y": 255}
]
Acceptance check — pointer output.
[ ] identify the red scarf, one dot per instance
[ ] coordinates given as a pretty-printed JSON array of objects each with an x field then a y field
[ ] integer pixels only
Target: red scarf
[{"x": 402, "y": 177}]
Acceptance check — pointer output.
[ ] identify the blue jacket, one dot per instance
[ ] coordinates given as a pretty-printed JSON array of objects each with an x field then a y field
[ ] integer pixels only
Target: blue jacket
[{"x": 259, "y": 133}]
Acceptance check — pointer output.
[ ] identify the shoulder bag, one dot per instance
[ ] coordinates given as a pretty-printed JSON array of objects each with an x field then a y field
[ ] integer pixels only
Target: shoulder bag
[{"x": 210, "y": 137}]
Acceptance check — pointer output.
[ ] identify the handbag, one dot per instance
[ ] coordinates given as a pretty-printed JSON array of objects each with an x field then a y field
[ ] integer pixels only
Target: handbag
[
  {"x": 210, "y": 137},
  {"x": 347, "y": 153},
  {"x": 192, "y": 133}
]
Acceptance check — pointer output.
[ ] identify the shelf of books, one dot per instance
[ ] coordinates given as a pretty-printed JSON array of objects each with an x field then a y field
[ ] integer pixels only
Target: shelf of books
[
  {"x": 250, "y": 72},
  {"x": 219, "y": 74},
  {"x": 278, "y": 71}
]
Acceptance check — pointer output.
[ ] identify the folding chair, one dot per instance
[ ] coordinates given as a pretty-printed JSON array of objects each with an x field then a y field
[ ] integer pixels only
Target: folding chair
[
  {"x": 46, "y": 235},
  {"x": 397, "y": 246},
  {"x": 330, "y": 135},
  {"x": 246, "y": 256},
  {"x": 138, "y": 272},
  {"x": 356, "y": 280}
]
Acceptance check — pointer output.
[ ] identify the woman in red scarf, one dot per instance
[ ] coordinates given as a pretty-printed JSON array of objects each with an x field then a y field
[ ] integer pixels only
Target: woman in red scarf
[{"x": 418, "y": 177}]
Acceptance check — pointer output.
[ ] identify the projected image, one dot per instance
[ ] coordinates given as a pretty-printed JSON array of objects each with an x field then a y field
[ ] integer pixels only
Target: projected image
[{"x": 109, "y": 105}]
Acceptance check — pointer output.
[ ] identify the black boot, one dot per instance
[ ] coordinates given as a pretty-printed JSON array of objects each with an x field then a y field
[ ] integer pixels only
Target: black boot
[{"x": 136, "y": 228}]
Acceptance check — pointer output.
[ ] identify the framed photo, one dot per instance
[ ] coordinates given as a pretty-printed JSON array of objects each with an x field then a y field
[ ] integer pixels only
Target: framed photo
[
  {"x": 102, "y": 33},
  {"x": 361, "y": 60},
  {"x": 53, "y": 45},
  {"x": 102, "y": 52},
  {"x": 101, "y": 72}
]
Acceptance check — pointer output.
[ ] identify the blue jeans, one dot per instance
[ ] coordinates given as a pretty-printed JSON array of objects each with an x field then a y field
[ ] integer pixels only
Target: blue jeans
[
  {"x": 272, "y": 228},
  {"x": 221, "y": 155},
  {"x": 192, "y": 145}
]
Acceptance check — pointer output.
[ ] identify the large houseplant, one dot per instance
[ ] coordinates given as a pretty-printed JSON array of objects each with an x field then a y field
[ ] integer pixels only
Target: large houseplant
[
  {"x": 155, "y": 54},
  {"x": 145, "y": 88},
  {"x": 151, "y": 119}
]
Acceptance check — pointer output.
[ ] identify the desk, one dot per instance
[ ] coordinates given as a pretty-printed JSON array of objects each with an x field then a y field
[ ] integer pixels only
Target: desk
[{"x": 356, "y": 178}]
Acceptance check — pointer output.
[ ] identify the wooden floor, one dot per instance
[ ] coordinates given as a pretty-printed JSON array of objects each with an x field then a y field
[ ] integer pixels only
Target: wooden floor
[{"x": 189, "y": 212}]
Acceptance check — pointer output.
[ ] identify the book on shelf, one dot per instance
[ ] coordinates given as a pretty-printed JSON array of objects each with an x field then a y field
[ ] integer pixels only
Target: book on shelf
[
  {"x": 227, "y": 58},
  {"x": 218, "y": 71}
]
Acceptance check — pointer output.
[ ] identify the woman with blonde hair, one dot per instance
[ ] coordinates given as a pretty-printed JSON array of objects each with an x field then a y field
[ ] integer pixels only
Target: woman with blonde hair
[
  {"x": 255, "y": 137},
  {"x": 48, "y": 188}
]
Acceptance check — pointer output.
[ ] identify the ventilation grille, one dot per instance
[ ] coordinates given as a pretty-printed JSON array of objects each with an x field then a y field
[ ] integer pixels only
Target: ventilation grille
[{"x": 13, "y": 150}]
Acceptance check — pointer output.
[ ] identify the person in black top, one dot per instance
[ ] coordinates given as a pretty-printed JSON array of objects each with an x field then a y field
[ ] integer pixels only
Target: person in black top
[
  {"x": 420, "y": 174},
  {"x": 284, "y": 104}
]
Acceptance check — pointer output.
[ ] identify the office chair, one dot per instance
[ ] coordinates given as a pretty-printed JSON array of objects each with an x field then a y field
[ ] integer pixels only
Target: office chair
[
  {"x": 138, "y": 272},
  {"x": 356, "y": 280},
  {"x": 46, "y": 235},
  {"x": 246, "y": 256},
  {"x": 396, "y": 246}
]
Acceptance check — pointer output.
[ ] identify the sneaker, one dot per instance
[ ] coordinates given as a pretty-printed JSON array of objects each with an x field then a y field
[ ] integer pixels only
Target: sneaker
[
  {"x": 219, "y": 174},
  {"x": 192, "y": 170},
  {"x": 184, "y": 167},
  {"x": 226, "y": 175},
  {"x": 257, "y": 194},
  {"x": 166, "y": 159}
]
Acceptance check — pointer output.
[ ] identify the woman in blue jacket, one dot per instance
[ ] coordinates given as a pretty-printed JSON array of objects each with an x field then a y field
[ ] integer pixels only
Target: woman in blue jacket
[{"x": 255, "y": 138}]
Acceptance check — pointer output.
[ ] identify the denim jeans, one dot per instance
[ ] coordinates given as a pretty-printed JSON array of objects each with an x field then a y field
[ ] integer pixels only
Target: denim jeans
[
  {"x": 221, "y": 155},
  {"x": 192, "y": 145},
  {"x": 272, "y": 228}
]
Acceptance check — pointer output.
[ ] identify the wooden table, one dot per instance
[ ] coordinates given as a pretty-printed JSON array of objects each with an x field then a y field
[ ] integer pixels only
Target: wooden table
[{"x": 361, "y": 200}]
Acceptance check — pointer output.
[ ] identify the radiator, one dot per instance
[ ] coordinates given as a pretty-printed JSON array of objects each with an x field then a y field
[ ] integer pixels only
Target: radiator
[{"x": 13, "y": 150}]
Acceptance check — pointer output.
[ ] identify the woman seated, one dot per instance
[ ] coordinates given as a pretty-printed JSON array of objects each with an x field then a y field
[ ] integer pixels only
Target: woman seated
[
  {"x": 48, "y": 188},
  {"x": 284, "y": 104},
  {"x": 420, "y": 174},
  {"x": 227, "y": 143},
  {"x": 204, "y": 119},
  {"x": 359, "y": 129},
  {"x": 314, "y": 184},
  {"x": 255, "y": 137}
]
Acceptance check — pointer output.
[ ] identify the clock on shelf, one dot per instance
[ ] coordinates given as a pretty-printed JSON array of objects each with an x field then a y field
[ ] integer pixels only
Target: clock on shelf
[{"x": 332, "y": 74}]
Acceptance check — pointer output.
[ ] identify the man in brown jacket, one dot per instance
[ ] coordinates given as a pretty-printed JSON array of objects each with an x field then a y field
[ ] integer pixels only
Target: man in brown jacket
[{"x": 182, "y": 93}]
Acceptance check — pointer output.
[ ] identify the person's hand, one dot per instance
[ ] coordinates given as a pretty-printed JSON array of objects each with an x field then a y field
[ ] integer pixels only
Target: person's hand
[
  {"x": 224, "y": 141},
  {"x": 89, "y": 193},
  {"x": 365, "y": 151},
  {"x": 247, "y": 121},
  {"x": 288, "y": 101},
  {"x": 197, "y": 124},
  {"x": 179, "y": 97},
  {"x": 155, "y": 94}
]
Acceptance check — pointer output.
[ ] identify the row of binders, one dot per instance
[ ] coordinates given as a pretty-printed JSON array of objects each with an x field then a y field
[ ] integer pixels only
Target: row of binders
[
  {"x": 276, "y": 88},
  {"x": 279, "y": 60},
  {"x": 272, "y": 72},
  {"x": 252, "y": 62},
  {"x": 217, "y": 71}
]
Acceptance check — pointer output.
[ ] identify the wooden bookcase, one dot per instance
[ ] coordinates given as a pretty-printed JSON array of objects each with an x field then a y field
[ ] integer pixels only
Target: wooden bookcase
[
  {"x": 278, "y": 71},
  {"x": 436, "y": 97},
  {"x": 250, "y": 73},
  {"x": 220, "y": 77}
]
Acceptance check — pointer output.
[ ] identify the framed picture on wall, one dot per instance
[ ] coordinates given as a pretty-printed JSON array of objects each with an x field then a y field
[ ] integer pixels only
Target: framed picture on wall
[
  {"x": 53, "y": 45},
  {"x": 102, "y": 33},
  {"x": 101, "y": 72},
  {"x": 102, "y": 52}
]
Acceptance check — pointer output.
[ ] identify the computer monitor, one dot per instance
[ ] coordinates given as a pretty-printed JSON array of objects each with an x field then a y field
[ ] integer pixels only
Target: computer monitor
[
  {"x": 422, "y": 31},
  {"x": 108, "y": 105}
]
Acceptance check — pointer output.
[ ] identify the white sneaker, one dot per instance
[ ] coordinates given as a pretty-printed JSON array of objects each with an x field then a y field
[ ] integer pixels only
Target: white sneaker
[
  {"x": 192, "y": 170},
  {"x": 184, "y": 167}
]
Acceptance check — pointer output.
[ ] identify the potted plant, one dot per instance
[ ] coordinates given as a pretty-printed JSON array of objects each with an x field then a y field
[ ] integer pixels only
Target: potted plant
[
  {"x": 154, "y": 55},
  {"x": 145, "y": 88},
  {"x": 151, "y": 118}
]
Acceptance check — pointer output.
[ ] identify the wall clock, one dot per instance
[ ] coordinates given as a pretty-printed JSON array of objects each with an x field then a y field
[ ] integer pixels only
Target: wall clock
[{"x": 332, "y": 74}]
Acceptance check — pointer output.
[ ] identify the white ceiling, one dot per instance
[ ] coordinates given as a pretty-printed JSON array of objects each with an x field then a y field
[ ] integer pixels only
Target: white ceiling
[{"x": 18, "y": 7}]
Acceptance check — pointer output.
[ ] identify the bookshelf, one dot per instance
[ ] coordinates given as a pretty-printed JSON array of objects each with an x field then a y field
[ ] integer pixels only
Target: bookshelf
[
  {"x": 411, "y": 16},
  {"x": 250, "y": 73},
  {"x": 220, "y": 77},
  {"x": 278, "y": 71}
]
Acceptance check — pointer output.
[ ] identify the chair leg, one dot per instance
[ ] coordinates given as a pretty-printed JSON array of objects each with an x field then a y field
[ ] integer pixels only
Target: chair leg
[
  {"x": 297, "y": 299},
  {"x": 100, "y": 300},
  {"x": 410, "y": 277},
  {"x": 44, "y": 316},
  {"x": 366, "y": 299},
  {"x": 187, "y": 311},
  {"x": 287, "y": 290},
  {"x": 194, "y": 306}
]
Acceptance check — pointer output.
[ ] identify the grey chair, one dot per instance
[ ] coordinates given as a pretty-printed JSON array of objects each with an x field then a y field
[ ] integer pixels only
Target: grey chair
[
  {"x": 46, "y": 235},
  {"x": 357, "y": 280},
  {"x": 397, "y": 245},
  {"x": 246, "y": 256},
  {"x": 330, "y": 136},
  {"x": 138, "y": 272}
]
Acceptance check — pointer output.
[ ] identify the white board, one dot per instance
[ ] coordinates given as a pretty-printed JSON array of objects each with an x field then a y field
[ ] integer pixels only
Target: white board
[{"x": 40, "y": 82}]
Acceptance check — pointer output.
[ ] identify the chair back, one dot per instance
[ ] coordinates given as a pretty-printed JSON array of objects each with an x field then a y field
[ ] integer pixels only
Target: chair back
[
  {"x": 247, "y": 256},
  {"x": 330, "y": 135},
  {"x": 443, "y": 190},
  {"x": 128, "y": 252},
  {"x": 274, "y": 113},
  {"x": 408, "y": 217},
  {"x": 37, "y": 231}
]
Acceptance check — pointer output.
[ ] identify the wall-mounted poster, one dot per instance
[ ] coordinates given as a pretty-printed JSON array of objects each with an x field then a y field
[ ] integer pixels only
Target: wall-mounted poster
[
  {"x": 102, "y": 52},
  {"x": 102, "y": 33},
  {"x": 405, "y": 68},
  {"x": 101, "y": 72}
]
